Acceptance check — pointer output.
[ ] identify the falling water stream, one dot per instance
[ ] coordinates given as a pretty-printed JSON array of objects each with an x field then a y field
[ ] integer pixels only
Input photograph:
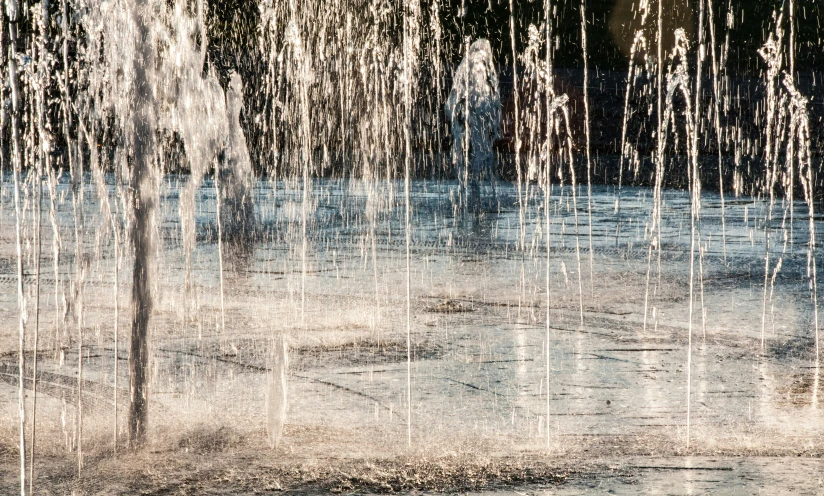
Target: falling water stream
[{"x": 236, "y": 210}]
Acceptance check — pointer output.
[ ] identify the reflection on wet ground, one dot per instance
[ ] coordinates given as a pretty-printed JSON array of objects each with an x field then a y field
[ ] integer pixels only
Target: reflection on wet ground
[{"x": 618, "y": 334}]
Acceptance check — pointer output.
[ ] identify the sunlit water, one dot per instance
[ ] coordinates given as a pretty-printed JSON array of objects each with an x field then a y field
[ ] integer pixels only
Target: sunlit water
[
  {"x": 478, "y": 364},
  {"x": 382, "y": 313}
]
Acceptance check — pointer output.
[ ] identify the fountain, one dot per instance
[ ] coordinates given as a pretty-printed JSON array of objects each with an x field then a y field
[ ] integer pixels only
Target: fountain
[
  {"x": 271, "y": 198},
  {"x": 473, "y": 111}
]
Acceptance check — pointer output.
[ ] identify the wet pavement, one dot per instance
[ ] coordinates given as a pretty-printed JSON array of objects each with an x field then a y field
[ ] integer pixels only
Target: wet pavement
[{"x": 617, "y": 340}]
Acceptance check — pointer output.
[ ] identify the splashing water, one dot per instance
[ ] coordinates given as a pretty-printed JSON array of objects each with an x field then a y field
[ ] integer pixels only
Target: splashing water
[
  {"x": 473, "y": 110},
  {"x": 242, "y": 184}
]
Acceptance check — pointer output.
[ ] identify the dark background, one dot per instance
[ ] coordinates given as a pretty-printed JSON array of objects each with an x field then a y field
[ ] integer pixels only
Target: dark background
[{"x": 741, "y": 25}]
